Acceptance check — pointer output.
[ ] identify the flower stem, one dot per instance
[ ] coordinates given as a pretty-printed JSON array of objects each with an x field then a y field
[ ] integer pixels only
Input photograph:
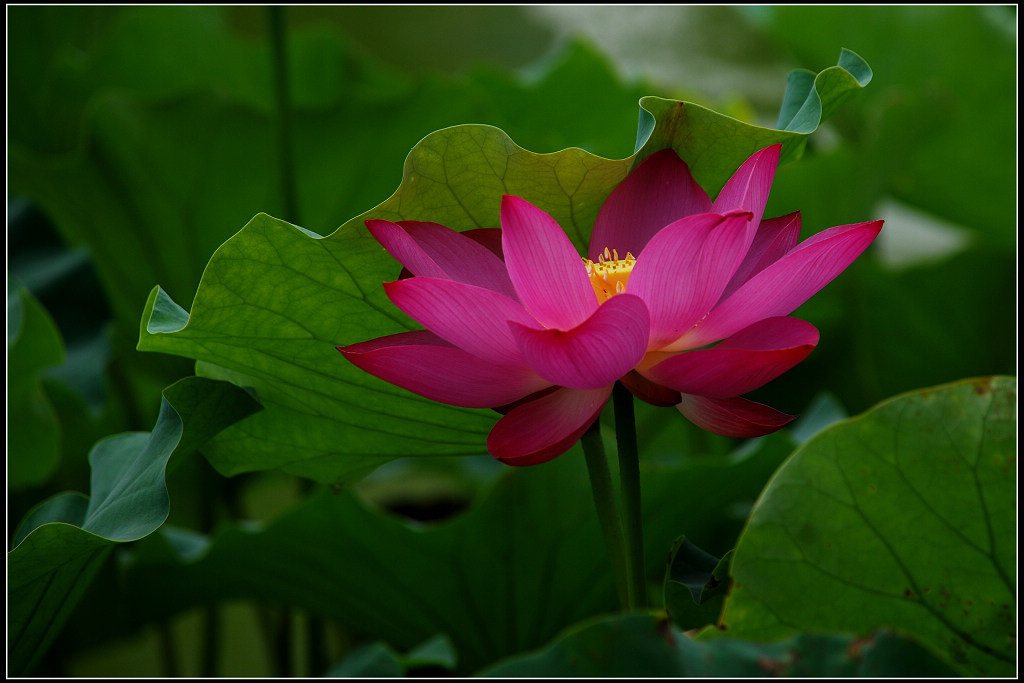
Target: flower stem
[
  {"x": 629, "y": 480},
  {"x": 607, "y": 510},
  {"x": 279, "y": 54}
]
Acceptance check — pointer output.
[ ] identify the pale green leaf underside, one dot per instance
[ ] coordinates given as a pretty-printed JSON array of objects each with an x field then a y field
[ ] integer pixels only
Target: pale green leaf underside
[
  {"x": 901, "y": 518},
  {"x": 275, "y": 300},
  {"x": 811, "y": 97},
  {"x": 62, "y": 542}
]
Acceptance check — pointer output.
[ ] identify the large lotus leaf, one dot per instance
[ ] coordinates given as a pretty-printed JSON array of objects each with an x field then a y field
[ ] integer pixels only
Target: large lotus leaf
[
  {"x": 33, "y": 344},
  {"x": 276, "y": 298},
  {"x": 642, "y": 645},
  {"x": 901, "y": 518},
  {"x": 62, "y": 543},
  {"x": 525, "y": 562}
]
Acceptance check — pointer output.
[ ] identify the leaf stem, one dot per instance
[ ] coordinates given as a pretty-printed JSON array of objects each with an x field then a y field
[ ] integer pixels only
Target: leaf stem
[
  {"x": 168, "y": 649},
  {"x": 316, "y": 655},
  {"x": 607, "y": 510},
  {"x": 629, "y": 481},
  {"x": 210, "y": 652},
  {"x": 289, "y": 192},
  {"x": 284, "y": 637}
]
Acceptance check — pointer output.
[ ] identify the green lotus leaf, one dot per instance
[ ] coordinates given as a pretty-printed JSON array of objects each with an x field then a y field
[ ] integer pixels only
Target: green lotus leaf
[
  {"x": 275, "y": 299},
  {"x": 714, "y": 144},
  {"x": 377, "y": 660},
  {"x": 696, "y": 584},
  {"x": 372, "y": 660},
  {"x": 902, "y": 518},
  {"x": 63, "y": 542},
  {"x": 807, "y": 93},
  {"x": 645, "y": 645}
]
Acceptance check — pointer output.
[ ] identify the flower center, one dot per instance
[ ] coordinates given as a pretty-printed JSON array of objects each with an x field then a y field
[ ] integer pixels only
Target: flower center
[{"x": 610, "y": 274}]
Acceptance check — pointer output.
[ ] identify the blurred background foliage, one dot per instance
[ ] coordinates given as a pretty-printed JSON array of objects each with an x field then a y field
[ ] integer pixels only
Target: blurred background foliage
[{"x": 141, "y": 138}]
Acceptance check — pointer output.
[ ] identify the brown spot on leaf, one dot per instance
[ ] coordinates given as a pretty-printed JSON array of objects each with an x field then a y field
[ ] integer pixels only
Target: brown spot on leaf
[
  {"x": 771, "y": 667},
  {"x": 665, "y": 629},
  {"x": 856, "y": 648}
]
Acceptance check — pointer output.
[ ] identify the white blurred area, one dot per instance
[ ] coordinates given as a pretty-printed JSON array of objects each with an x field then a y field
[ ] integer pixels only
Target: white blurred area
[
  {"x": 911, "y": 236},
  {"x": 708, "y": 49}
]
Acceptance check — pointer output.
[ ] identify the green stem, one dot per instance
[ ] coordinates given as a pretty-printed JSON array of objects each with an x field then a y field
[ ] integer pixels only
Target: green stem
[
  {"x": 316, "y": 655},
  {"x": 210, "y": 657},
  {"x": 289, "y": 194},
  {"x": 607, "y": 511},
  {"x": 629, "y": 480},
  {"x": 168, "y": 649},
  {"x": 284, "y": 637},
  {"x": 284, "y": 114}
]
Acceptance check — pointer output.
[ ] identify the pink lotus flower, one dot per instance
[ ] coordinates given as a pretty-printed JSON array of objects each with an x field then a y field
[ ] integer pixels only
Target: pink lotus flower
[{"x": 516, "y": 320}]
